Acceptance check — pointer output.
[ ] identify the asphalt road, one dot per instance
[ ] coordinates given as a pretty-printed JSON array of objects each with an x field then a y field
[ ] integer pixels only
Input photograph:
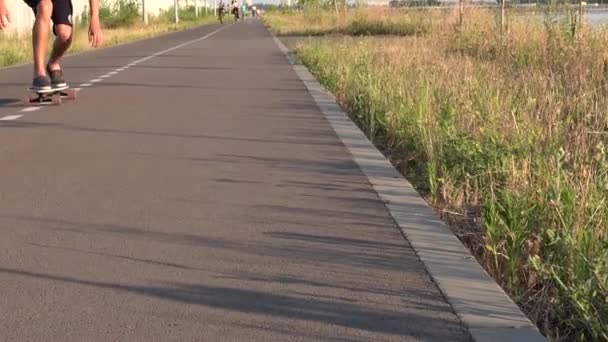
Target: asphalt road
[{"x": 199, "y": 195}]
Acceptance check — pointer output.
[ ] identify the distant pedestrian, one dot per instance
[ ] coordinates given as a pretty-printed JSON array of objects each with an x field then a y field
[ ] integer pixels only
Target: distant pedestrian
[
  {"x": 244, "y": 10},
  {"x": 221, "y": 9},
  {"x": 235, "y": 9}
]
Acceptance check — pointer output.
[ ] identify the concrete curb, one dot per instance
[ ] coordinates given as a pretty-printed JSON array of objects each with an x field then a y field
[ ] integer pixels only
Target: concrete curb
[{"x": 481, "y": 305}]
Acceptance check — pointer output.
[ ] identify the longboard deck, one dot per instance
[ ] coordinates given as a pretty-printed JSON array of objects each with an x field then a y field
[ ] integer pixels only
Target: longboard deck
[
  {"x": 52, "y": 90},
  {"x": 53, "y": 96}
]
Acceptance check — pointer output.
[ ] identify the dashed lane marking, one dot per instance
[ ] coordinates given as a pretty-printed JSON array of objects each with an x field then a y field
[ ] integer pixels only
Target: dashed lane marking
[
  {"x": 30, "y": 109},
  {"x": 10, "y": 117}
]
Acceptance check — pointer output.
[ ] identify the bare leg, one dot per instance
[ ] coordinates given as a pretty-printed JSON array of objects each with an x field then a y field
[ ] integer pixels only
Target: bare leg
[
  {"x": 40, "y": 35},
  {"x": 61, "y": 45}
]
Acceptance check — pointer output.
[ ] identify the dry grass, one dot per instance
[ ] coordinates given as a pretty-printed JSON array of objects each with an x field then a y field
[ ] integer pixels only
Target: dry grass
[
  {"x": 377, "y": 21},
  {"x": 511, "y": 134}
]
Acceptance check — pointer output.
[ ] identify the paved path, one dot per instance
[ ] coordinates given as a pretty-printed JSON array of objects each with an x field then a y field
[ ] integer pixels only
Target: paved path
[{"x": 197, "y": 195}]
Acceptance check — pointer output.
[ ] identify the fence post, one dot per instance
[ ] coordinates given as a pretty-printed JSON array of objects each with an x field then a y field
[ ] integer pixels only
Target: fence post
[
  {"x": 144, "y": 11},
  {"x": 580, "y": 14},
  {"x": 19, "y": 28},
  {"x": 461, "y": 13},
  {"x": 176, "y": 7},
  {"x": 503, "y": 17}
]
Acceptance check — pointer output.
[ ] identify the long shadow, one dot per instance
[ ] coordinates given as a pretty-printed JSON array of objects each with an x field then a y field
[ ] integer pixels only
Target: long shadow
[
  {"x": 288, "y": 141},
  {"x": 70, "y": 67},
  {"x": 236, "y": 181},
  {"x": 280, "y": 306},
  {"x": 25, "y": 124},
  {"x": 342, "y": 212},
  {"x": 335, "y": 240},
  {"x": 235, "y": 68},
  {"x": 126, "y": 230},
  {"x": 333, "y": 185},
  {"x": 363, "y": 288},
  {"x": 9, "y": 102},
  {"x": 139, "y": 66},
  {"x": 357, "y": 201},
  {"x": 179, "y": 86},
  {"x": 286, "y": 330},
  {"x": 312, "y": 253},
  {"x": 157, "y": 56},
  {"x": 343, "y": 166},
  {"x": 170, "y": 86},
  {"x": 146, "y": 261}
]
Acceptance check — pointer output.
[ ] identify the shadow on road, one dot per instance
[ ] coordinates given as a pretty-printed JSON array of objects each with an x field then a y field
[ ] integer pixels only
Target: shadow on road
[
  {"x": 10, "y": 102},
  {"x": 278, "y": 305},
  {"x": 337, "y": 254},
  {"x": 146, "y": 261},
  {"x": 26, "y": 124}
]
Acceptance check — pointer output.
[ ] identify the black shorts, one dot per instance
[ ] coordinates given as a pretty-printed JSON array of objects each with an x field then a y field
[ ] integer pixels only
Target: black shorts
[{"x": 62, "y": 11}]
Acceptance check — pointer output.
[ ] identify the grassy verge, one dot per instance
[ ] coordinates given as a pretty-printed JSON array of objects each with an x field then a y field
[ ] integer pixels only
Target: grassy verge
[
  {"x": 508, "y": 137},
  {"x": 14, "y": 50},
  {"x": 316, "y": 21}
]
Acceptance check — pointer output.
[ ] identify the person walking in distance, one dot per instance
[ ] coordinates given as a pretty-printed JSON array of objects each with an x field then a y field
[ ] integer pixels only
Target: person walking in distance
[
  {"x": 235, "y": 10},
  {"x": 221, "y": 9},
  {"x": 244, "y": 10},
  {"x": 50, "y": 75}
]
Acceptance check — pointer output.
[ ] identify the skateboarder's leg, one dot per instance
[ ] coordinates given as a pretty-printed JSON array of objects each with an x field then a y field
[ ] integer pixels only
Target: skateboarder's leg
[
  {"x": 61, "y": 45},
  {"x": 43, "y": 10},
  {"x": 62, "y": 20}
]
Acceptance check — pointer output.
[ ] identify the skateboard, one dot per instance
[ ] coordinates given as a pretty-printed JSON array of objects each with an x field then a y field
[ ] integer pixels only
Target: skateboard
[{"x": 51, "y": 96}]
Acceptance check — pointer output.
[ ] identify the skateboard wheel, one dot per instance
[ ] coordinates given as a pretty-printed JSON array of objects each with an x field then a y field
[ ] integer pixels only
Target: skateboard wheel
[{"x": 56, "y": 99}]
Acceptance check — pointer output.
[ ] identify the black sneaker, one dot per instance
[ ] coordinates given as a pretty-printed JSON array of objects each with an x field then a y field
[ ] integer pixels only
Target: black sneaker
[
  {"x": 56, "y": 76},
  {"x": 41, "y": 83}
]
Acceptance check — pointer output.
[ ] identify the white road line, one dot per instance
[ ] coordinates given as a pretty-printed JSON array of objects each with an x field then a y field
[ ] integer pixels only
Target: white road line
[
  {"x": 156, "y": 54},
  {"x": 188, "y": 43},
  {"x": 145, "y": 58},
  {"x": 10, "y": 117},
  {"x": 30, "y": 109},
  {"x": 90, "y": 83}
]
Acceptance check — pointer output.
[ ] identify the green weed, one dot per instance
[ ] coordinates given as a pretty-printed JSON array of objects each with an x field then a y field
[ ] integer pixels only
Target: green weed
[{"x": 516, "y": 127}]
